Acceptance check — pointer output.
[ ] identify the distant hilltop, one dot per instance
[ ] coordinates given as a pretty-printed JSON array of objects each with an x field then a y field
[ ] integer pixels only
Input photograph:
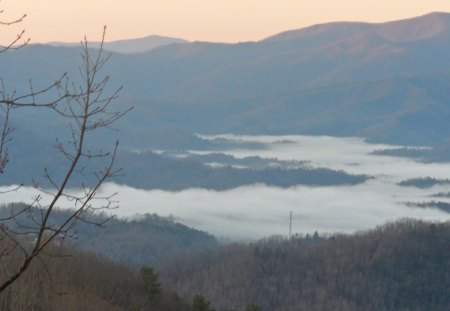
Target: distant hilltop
[
  {"x": 412, "y": 29},
  {"x": 130, "y": 46}
]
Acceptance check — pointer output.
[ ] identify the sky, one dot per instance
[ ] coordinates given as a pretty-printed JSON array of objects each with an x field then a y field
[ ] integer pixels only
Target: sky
[{"x": 195, "y": 20}]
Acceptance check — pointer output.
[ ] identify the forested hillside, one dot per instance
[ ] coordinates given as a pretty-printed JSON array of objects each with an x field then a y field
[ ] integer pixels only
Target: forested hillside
[
  {"x": 66, "y": 279},
  {"x": 439, "y": 153},
  {"x": 399, "y": 266},
  {"x": 149, "y": 170},
  {"x": 144, "y": 240}
]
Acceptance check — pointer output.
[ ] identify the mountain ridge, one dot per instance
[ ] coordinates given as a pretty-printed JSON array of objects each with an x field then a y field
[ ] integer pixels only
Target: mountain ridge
[
  {"x": 265, "y": 87},
  {"x": 128, "y": 46},
  {"x": 435, "y": 19}
]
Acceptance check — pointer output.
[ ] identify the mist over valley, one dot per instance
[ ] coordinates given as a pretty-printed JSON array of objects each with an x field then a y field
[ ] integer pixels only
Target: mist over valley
[
  {"x": 369, "y": 82},
  {"x": 253, "y": 211},
  {"x": 309, "y": 170}
]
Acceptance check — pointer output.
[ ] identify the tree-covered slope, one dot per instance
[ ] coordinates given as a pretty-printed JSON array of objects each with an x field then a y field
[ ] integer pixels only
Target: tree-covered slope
[
  {"x": 67, "y": 279},
  {"x": 399, "y": 266},
  {"x": 143, "y": 240},
  {"x": 147, "y": 170}
]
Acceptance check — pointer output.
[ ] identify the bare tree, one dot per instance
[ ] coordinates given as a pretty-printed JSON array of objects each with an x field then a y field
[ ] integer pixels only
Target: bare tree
[
  {"x": 5, "y": 100},
  {"x": 18, "y": 42},
  {"x": 86, "y": 107}
]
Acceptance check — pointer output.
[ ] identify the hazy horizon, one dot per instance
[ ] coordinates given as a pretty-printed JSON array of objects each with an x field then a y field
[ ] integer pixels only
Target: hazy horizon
[{"x": 197, "y": 20}]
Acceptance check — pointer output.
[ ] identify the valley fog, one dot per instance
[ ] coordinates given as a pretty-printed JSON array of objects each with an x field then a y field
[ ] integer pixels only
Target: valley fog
[{"x": 256, "y": 211}]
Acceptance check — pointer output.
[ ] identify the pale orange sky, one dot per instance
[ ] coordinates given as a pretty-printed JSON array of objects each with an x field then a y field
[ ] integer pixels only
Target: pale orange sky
[{"x": 200, "y": 20}]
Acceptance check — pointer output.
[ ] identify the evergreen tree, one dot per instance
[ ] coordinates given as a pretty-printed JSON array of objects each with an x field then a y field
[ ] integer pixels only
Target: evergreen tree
[
  {"x": 151, "y": 283},
  {"x": 199, "y": 303}
]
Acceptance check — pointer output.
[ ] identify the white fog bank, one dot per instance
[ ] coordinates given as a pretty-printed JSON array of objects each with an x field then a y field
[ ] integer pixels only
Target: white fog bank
[{"x": 257, "y": 211}]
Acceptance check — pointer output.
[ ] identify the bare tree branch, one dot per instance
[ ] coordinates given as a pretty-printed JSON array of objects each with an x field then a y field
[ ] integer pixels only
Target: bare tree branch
[
  {"x": 13, "y": 45},
  {"x": 86, "y": 110}
]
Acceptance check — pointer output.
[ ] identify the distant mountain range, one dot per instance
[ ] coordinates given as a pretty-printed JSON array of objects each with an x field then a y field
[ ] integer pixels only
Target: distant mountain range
[
  {"x": 388, "y": 82},
  {"x": 128, "y": 46}
]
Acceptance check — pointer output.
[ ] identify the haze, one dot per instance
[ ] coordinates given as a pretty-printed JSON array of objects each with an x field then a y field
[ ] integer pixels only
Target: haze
[
  {"x": 257, "y": 211},
  {"x": 198, "y": 20}
]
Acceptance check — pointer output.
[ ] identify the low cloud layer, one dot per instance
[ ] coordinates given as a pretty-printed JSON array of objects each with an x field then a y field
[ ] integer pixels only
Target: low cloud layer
[
  {"x": 257, "y": 211},
  {"x": 349, "y": 154}
]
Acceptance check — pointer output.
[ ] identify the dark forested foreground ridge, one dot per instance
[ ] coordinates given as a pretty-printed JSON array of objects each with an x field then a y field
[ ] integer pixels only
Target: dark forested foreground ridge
[
  {"x": 69, "y": 280},
  {"x": 399, "y": 266}
]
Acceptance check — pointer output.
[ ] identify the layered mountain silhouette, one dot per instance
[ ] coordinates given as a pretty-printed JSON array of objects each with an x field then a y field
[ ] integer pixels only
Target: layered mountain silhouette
[
  {"x": 127, "y": 46},
  {"x": 388, "y": 82}
]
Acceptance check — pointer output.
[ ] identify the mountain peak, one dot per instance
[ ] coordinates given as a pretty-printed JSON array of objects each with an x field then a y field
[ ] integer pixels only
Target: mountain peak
[
  {"x": 322, "y": 30},
  {"x": 141, "y": 44},
  {"x": 411, "y": 29},
  {"x": 415, "y": 29}
]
